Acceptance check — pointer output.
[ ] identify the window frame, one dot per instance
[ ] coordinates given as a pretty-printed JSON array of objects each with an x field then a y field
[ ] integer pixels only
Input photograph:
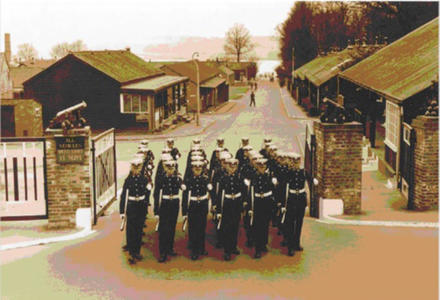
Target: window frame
[{"x": 131, "y": 96}]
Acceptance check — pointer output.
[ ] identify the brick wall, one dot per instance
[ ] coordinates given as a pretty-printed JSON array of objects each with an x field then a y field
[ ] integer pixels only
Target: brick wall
[
  {"x": 425, "y": 191},
  {"x": 338, "y": 163},
  {"x": 28, "y": 117},
  {"x": 68, "y": 185}
]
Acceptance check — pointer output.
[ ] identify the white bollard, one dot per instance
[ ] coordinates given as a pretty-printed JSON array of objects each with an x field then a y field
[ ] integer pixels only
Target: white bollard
[
  {"x": 83, "y": 218},
  {"x": 330, "y": 207}
]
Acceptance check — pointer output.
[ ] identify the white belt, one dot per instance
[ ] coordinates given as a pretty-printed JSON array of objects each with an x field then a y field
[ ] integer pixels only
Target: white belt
[
  {"x": 263, "y": 195},
  {"x": 297, "y": 191},
  {"x": 232, "y": 196},
  {"x": 199, "y": 198},
  {"x": 133, "y": 198},
  {"x": 168, "y": 197}
]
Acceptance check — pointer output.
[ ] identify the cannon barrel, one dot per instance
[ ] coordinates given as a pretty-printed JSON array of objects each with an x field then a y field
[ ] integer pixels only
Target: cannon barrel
[{"x": 72, "y": 109}]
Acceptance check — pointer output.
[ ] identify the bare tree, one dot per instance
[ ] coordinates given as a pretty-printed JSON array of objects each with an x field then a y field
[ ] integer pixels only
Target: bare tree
[
  {"x": 238, "y": 41},
  {"x": 26, "y": 52},
  {"x": 62, "y": 49}
]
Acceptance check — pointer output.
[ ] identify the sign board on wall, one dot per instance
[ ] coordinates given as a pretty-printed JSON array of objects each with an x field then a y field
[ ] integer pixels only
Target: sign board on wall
[{"x": 70, "y": 150}]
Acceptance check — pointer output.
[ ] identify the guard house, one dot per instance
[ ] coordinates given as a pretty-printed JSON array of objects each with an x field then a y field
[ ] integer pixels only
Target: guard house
[
  {"x": 316, "y": 80},
  {"x": 389, "y": 89},
  {"x": 121, "y": 89}
]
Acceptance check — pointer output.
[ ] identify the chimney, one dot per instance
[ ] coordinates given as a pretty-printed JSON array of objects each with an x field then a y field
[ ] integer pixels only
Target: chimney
[{"x": 8, "y": 47}]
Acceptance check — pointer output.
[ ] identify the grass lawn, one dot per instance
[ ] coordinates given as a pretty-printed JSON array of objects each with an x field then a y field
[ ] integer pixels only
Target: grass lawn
[{"x": 236, "y": 92}]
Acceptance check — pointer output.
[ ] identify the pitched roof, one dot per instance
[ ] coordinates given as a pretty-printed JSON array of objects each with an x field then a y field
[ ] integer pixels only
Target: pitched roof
[
  {"x": 28, "y": 69},
  {"x": 121, "y": 65},
  {"x": 324, "y": 68},
  {"x": 213, "y": 82},
  {"x": 155, "y": 84},
  {"x": 403, "y": 68},
  {"x": 188, "y": 69}
]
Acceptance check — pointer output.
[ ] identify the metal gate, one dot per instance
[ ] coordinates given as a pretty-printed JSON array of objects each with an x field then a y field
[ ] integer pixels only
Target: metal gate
[
  {"x": 309, "y": 167},
  {"x": 407, "y": 164},
  {"x": 104, "y": 172},
  {"x": 23, "y": 189}
]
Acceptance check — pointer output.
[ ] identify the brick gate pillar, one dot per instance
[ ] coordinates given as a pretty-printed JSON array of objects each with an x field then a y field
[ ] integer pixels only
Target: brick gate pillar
[
  {"x": 68, "y": 175},
  {"x": 339, "y": 163},
  {"x": 425, "y": 191}
]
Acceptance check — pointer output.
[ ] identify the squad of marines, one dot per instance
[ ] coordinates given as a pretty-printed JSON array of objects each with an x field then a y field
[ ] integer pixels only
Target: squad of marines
[{"x": 259, "y": 187}]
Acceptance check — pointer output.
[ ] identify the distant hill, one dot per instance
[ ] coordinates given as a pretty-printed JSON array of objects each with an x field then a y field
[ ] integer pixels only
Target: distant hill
[{"x": 208, "y": 48}]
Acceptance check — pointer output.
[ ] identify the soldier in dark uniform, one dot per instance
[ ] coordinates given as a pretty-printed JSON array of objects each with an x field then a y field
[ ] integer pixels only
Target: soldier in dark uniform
[
  {"x": 147, "y": 171},
  {"x": 135, "y": 185},
  {"x": 229, "y": 208},
  {"x": 259, "y": 205},
  {"x": 266, "y": 143},
  {"x": 195, "y": 208},
  {"x": 282, "y": 174},
  {"x": 240, "y": 152},
  {"x": 166, "y": 208},
  {"x": 294, "y": 208},
  {"x": 150, "y": 156},
  {"x": 213, "y": 163},
  {"x": 174, "y": 151}
]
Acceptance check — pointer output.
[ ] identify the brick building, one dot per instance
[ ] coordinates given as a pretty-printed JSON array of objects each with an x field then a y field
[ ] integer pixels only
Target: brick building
[
  {"x": 388, "y": 90},
  {"x": 121, "y": 89},
  {"x": 21, "y": 117}
]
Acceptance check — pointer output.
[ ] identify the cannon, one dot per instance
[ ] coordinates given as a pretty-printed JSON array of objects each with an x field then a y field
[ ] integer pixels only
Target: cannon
[{"x": 69, "y": 118}]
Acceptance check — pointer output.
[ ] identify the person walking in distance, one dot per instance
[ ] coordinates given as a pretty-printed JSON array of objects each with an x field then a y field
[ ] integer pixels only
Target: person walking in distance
[{"x": 252, "y": 99}]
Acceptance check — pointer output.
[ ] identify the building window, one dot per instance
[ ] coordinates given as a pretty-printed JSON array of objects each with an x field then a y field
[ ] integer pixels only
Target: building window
[
  {"x": 134, "y": 104},
  {"x": 392, "y": 123}
]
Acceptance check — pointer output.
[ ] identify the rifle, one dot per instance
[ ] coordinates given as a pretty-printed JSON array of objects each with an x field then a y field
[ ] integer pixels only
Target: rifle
[
  {"x": 124, "y": 220},
  {"x": 158, "y": 211},
  {"x": 252, "y": 202},
  {"x": 222, "y": 202},
  {"x": 285, "y": 204},
  {"x": 186, "y": 220}
]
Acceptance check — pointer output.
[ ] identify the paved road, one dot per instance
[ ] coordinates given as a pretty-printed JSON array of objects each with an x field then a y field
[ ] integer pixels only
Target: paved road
[{"x": 339, "y": 262}]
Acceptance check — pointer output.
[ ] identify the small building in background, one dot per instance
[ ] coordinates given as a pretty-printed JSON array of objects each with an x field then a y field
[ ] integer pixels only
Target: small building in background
[
  {"x": 213, "y": 87},
  {"x": 21, "y": 117}
]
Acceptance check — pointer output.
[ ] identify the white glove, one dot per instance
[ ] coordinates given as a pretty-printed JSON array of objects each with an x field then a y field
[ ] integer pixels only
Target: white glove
[
  {"x": 250, "y": 213},
  {"x": 150, "y": 167},
  {"x": 156, "y": 217},
  {"x": 283, "y": 210},
  {"x": 315, "y": 181},
  {"x": 244, "y": 204},
  {"x": 183, "y": 187},
  {"x": 247, "y": 182},
  {"x": 214, "y": 207},
  {"x": 274, "y": 181},
  {"x": 122, "y": 217},
  {"x": 149, "y": 186},
  {"x": 209, "y": 187},
  {"x": 185, "y": 217},
  {"x": 278, "y": 204},
  {"x": 219, "y": 216}
]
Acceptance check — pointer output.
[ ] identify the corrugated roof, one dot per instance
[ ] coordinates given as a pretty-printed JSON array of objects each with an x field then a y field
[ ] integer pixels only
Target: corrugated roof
[
  {"x": 324, "y": 68},
  {"x": 121, "y": 65},
  {"x": 403, "y": 68},
  {"x": 156, "y": 83},
  {"x": 213, "y": 82},
  {"x": 188, "y": 69}
]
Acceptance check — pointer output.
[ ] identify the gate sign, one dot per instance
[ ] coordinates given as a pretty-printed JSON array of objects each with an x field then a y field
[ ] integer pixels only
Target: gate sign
[{"x": 70, "y": 149}]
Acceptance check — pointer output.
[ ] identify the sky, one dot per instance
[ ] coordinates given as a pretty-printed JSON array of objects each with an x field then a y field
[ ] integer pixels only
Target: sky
[{"x": 116, "y": 24}]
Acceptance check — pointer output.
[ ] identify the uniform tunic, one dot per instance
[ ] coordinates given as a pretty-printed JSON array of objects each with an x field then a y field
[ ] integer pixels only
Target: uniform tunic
[
  {"x": 167, "y": 210},
  {"x": 196, "y": 210},
  {"x": 296, "y": 204},
  {"x": 137, "y": 187},
  {"x": 261, "y": 207},
  {"x": 230, "y": 209}
]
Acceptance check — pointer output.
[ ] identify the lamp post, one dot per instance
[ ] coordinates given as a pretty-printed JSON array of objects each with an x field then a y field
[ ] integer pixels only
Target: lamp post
[{"x": 196, "y": 54}]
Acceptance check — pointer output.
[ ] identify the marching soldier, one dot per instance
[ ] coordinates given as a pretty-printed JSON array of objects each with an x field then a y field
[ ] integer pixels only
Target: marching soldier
[
  {"x": 213, "y": 163},
  {"x": 229, "y": 208},
  {"x": 240, "y": 152},
  {"x": 195, "y": 208},
  {"x": 174, "y": 151},
  {"x": 150, "y": 156},
  {"x": 282, "y": 174},
  {"x": 147, "y": 172},
  {"x": 134, "y": 197},
  {"x": 259, "y": 205},
  {"x": 166, "y": 208},
  {"x": 266, "y": 143},
  {"x": 293, "y": 206}
]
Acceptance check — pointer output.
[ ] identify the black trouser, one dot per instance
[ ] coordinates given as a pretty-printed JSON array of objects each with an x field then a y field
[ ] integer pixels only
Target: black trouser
[
  {"x": 197, "y": 213},
  {"x": 168, "y": 212},
  {"x": 133, "y": 231},
  {"x": 230, "y": 222},
  {"x": 294, "y": 219},
  {"x": 262, "y": 215},
  {"x": 252, "y": 101},
  {"x": 145, "y": 211},
  {"x": 247, "y": 227}
]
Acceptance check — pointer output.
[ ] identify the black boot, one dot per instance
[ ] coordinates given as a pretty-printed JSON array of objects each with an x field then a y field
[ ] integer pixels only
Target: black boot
[
  {"x": 162, "y": 258},
  {"x": 227, "y": 256},
  {"x": 290, "y": 252},
  {"x": 257, "y": 254}
]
